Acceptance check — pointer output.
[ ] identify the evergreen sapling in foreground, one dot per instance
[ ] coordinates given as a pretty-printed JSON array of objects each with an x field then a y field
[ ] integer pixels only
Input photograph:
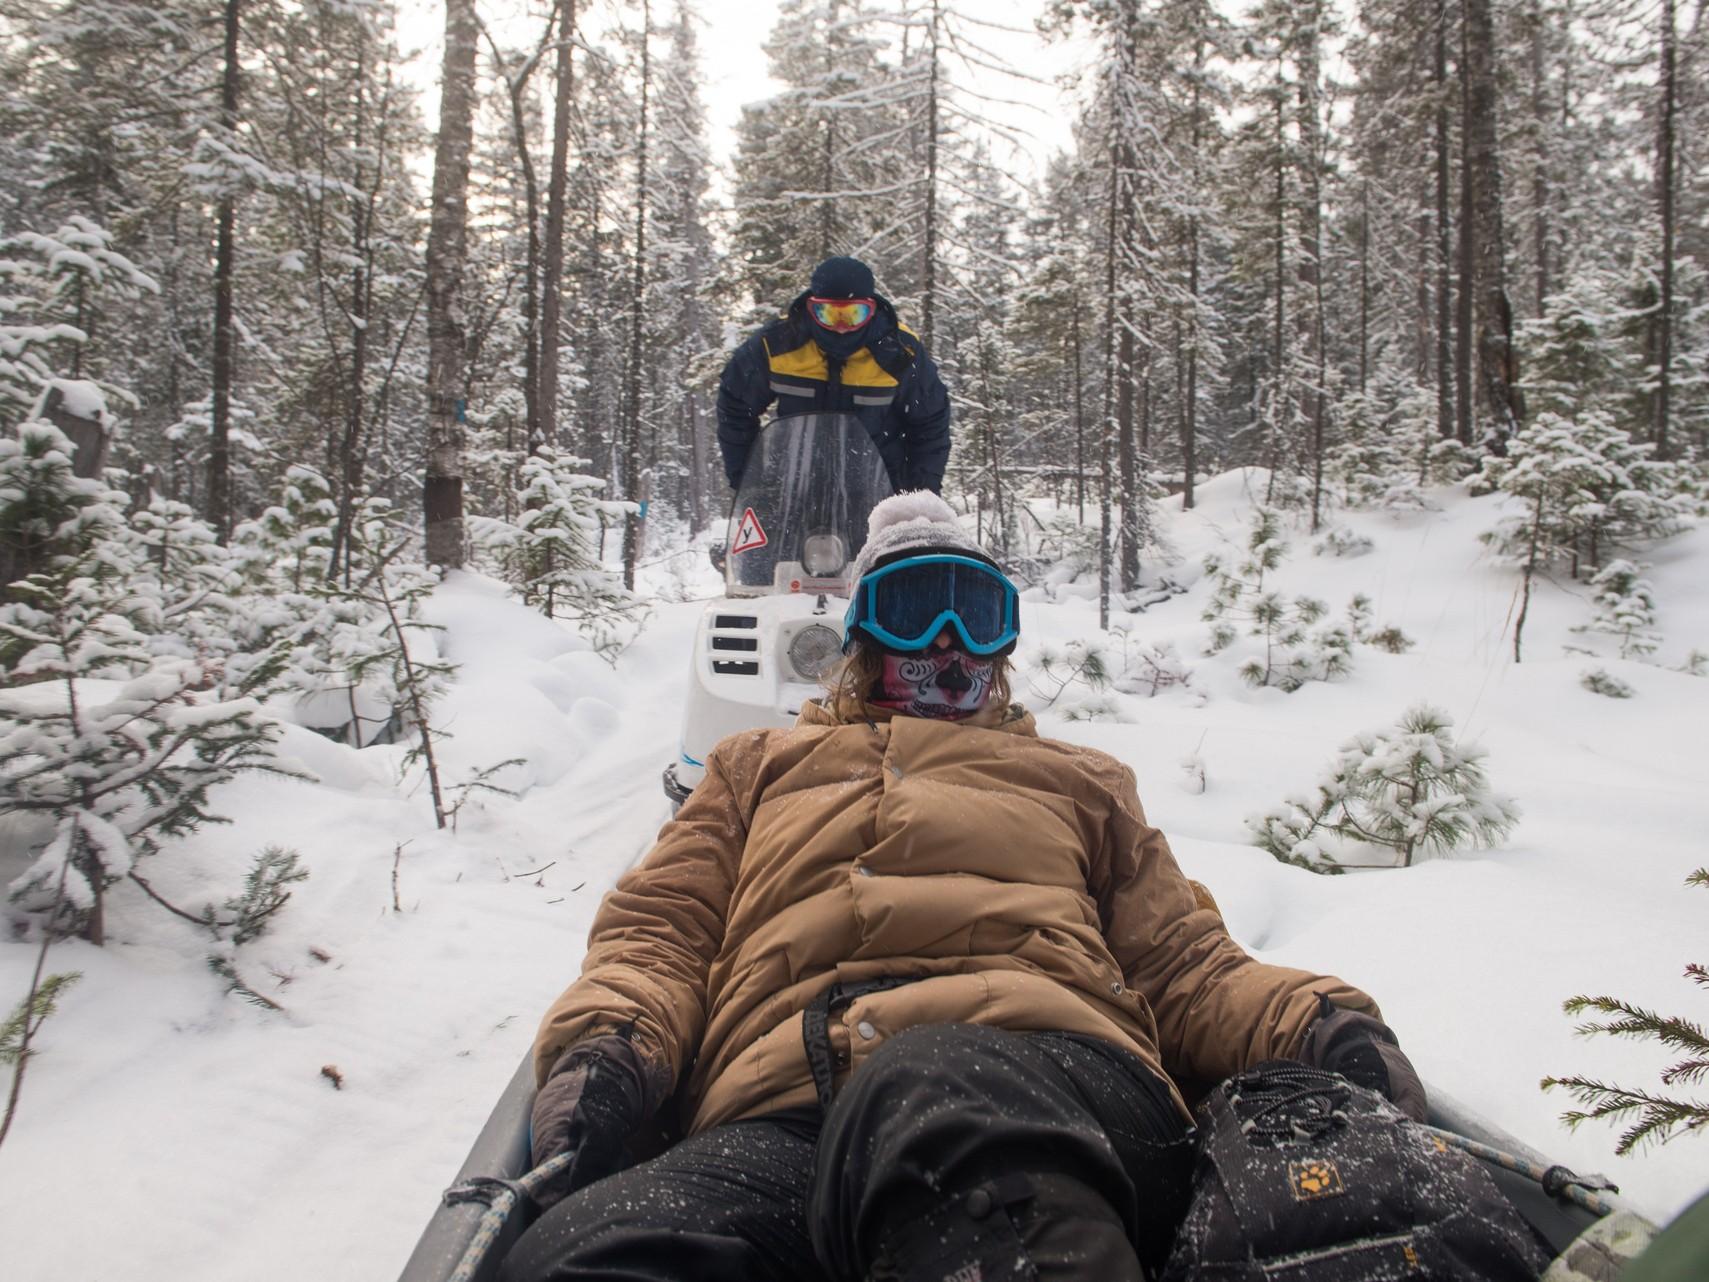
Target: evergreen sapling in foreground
[
  {"x": 1649, "y": 1116},
  {"x": 1409, "y": 789}
]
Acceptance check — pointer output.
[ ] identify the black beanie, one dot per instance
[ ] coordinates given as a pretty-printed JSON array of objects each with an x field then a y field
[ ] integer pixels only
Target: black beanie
[{"x": 842, "y": 277}]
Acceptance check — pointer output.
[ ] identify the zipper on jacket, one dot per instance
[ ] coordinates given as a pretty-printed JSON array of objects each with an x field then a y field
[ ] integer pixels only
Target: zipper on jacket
[{"x": 833, "y": 381}]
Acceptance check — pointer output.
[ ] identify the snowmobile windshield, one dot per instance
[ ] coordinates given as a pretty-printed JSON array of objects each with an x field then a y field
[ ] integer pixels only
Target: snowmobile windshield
[{"x": 800, "y": 512}]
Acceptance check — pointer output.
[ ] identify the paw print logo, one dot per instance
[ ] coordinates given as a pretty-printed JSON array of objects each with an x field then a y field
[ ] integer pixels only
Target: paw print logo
[{"x": 1315, "y": 1178}]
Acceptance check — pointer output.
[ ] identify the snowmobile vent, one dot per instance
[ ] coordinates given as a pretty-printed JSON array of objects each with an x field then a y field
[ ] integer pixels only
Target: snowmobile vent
[
  {"x": 736, "y": 667},
  {"x": 740, "y": 621},
  {"x": 735, "y": 643}
]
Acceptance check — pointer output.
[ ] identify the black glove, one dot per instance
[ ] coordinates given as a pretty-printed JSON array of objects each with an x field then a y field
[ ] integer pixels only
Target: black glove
[
  {"x": 591, "y": 1105},
  {"x": 1366, "y": 1052}
]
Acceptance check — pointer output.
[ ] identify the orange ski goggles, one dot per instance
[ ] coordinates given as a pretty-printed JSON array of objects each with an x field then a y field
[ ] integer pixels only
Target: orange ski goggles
[{"x": 841, "y": 315}]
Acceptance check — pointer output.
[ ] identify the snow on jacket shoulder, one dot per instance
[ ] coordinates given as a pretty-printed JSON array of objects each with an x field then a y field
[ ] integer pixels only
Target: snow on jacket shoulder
[{"x": 1012, "y": 879}]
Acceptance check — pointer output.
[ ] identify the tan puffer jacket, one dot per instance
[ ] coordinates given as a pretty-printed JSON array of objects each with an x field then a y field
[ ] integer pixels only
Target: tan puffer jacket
[{"x": 1012, "y": 878}]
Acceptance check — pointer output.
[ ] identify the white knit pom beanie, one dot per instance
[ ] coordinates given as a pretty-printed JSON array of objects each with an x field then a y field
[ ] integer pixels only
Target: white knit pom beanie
[{"x": 910, "y": 524}]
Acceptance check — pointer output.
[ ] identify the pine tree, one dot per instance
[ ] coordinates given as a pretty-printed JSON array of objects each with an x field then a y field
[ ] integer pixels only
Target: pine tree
[
  {"x": 1411, "y": 789},
  {"x": 1650, "y": 1118},
  {"x": 1291, "y": 655},
  {"x": 1625, "y": 608},
  {"x": 553, "y": 554},
  {"x": 117, "y": 773}
]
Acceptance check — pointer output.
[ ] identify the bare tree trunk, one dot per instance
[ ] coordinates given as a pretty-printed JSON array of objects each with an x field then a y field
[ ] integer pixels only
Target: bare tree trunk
[
  {"x": 552, "y": 265},
  {"x": 1311, "y": 249},
  {"x": 225, "y": 328},
  {"x": 1446, "y": 422},
  {"x": 1497, "y": 361},
  {"x": 1190, "y": 407},
  {"x": 1665, "y": 179},
  {"x": 929, "y": 299},
  {"x": 1079, "y": 414},
  {"x": 1539, "y": 161},
  {"x": 1463, "y": 352},
  {"x": 637, "y": 312},
  {"x": 1104, "y": 435},
  {"x": 447, "y": 253},
  {"x": 516, "y": 88},
  {"x": 1279, "y": 352}
]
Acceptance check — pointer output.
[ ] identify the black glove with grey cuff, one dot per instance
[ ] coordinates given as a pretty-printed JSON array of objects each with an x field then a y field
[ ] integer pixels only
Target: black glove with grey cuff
[
  {"x": 591, "y": 1106},
  {"x": 1366, "y": 1052}
]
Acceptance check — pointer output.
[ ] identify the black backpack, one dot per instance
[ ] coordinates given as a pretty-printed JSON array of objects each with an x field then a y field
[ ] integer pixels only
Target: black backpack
[{"x": 1302, "y": 1176}]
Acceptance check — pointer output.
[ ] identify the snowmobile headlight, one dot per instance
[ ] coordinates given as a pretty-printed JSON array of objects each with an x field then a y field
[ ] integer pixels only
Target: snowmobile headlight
[
  {"x": 822, "y": 555},
  {"x": 814, "y": 649}
]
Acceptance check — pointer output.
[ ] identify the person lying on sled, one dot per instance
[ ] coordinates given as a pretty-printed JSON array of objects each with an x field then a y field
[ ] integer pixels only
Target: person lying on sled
[{"x": 922, "y": 982}]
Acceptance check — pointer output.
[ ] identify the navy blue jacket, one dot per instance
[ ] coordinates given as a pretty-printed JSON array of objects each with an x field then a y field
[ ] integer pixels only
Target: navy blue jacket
[{"x": 887, "y": 380}]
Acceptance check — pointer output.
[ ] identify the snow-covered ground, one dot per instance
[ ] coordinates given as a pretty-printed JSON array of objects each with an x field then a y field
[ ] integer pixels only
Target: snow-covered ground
[{"x": 170, "y": 1132}]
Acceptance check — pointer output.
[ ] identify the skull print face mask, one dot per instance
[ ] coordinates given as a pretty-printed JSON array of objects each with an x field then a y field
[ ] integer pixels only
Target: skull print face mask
[{"x": 946, "y": 685}]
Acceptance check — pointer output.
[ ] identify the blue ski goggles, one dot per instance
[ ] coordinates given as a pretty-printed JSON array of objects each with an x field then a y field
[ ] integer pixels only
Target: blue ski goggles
[{"x": 904, "y": 605}]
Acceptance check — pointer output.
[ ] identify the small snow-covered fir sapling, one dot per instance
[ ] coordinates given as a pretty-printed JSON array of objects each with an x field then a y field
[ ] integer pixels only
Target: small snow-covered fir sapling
[
  {"x": 1603, "y": 682},
  {"x": 19, "y": 1030},
  {"x": 1649, "y": 1116},
  {"x": 1149, "y": 669},
  {"x": 1338, "y": 540},
  {"x": 1410, "y": 789},
  {"x": 1292, "y": 655},
  {"x": 1586, "y": 487},
  {"x": 1625, "y": 608},
  {"x": 1082, "y": 663},
  {"x": 552, "y": 554},
  {"x": 390, "y": 591},
  {"x": 1359, "y": 619}
]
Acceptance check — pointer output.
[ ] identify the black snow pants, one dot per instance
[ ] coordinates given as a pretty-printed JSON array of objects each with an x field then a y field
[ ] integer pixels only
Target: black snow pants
[{"x": 958, "y": 1153}]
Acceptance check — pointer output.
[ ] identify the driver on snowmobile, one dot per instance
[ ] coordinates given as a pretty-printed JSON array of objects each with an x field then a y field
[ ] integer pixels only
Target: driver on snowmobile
[
  {"x": 924, "y": 986},
  {"x": 840, "y": 349}
]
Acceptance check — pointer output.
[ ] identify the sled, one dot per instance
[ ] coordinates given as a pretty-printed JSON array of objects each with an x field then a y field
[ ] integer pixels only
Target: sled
[
  {"x": 796, "y": 524},
  {"x": 500, "y": 1153}
]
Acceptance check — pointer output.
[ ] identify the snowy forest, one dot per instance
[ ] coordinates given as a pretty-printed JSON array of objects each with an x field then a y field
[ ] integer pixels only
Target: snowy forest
[
  {"x": 345, "y": 343},
  {"x": 1353, "y": 244}
]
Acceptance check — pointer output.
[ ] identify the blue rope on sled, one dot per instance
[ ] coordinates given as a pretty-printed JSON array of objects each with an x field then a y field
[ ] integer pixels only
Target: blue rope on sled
[
  {"x": 500, "y": 1198},
  {"x": 1557, "y": 1181}
]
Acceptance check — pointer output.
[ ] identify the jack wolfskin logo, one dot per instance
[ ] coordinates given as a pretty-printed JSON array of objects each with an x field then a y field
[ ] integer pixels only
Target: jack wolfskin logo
[
  {"x": 966, "y": 1273},
  {"x": 1314, "y": 1179}
]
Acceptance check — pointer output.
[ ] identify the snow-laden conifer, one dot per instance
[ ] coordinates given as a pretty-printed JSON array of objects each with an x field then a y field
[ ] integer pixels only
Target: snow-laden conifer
[
  {"x": 114, "y": 747},
  {"x": 552, "y": 554},
  {"x": 1625, "y": 608},
  {"x": 1649, "y": 1117},
  {"x": 1587, "y": 489},
  {"x": 1241, "y": 602},
  {"x": 1410, "y": 789}
]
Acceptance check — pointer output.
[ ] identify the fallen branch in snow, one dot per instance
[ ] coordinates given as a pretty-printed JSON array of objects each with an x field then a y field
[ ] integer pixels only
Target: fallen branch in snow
[{"x": 25, "y": 1022}]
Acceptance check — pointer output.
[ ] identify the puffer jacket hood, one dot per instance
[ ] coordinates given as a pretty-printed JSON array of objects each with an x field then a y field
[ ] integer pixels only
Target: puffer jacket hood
[{"x": 1008, "y": 879}]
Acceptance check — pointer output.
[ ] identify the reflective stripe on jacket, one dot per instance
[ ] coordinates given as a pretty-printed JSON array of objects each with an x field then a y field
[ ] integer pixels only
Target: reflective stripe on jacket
[
  {"x": 889, "y": 382},
  {"x": 1011, "y": 878}
]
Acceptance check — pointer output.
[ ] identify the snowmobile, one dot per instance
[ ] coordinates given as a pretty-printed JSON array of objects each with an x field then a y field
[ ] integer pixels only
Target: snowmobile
[
  {"x": 797, "y": 521},
  {"x": 483, "y": 1213}
]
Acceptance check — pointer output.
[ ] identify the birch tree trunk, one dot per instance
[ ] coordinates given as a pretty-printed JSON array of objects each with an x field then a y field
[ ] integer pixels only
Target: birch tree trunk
[{"x": 447, "y": 253}]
